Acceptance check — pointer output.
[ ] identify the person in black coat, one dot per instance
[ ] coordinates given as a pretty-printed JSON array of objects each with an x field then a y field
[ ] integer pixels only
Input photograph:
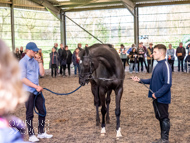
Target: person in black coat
[
  {"x": 180, "y": 53},
  {"x": 17, "y": 54},
  {"x": 60, "y": 52},
  {"x": 68, "y": 59}
]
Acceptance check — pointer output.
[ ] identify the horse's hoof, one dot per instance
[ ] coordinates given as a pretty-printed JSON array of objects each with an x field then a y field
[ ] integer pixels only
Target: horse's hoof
[
  {"x": 103, "y": 131},
  {"x": 118, "y": 135}
]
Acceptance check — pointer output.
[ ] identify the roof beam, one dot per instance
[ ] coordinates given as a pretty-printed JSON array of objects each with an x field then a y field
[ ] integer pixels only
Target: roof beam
[
  {"x": 81, "y": 5},
  {"x": 129, "y": 5},
  {"x": 93, "y": 4},
  {"x": 96, "y": 8},
  {"x": 162, "y": 3},
  {"x": 54, "y": 10}
]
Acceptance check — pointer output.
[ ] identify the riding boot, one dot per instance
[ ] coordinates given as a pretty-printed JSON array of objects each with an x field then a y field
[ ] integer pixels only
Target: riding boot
[
  {"x": 165, "y": 130},
  {"x": 160, "y": 140},
  {"x": 160, "y": 128}
]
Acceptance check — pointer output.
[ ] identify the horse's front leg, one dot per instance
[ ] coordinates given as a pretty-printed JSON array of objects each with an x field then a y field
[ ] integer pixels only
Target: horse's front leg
[
  {"x": 108, "y": 99},
  {"x": 95, "y": 92},
  {"x": 118, "y": 95},
  {"x": 102, "y": 93}
]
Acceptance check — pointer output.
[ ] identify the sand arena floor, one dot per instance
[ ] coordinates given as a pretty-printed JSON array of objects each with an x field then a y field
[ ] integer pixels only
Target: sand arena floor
[{"x": 71, "y": 119}]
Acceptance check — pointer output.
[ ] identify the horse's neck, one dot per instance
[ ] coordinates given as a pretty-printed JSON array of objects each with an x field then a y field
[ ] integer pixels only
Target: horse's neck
[{"x": 108, "y": 64}]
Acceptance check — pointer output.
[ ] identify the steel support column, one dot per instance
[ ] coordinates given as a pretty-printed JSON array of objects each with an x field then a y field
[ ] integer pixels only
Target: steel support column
[
  {"x": 136, "y": 26},
  {"x": 63, "y": 27},
  {"x": 12, "y": 26}
]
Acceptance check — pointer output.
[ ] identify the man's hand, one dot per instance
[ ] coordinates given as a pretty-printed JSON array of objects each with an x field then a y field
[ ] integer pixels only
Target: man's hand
[
  {"x": 135, "y": 78},
  {"x": 39, "y": 88},
  {"x": 153, "y": 95},
  {"x": 38, "y": 58}
]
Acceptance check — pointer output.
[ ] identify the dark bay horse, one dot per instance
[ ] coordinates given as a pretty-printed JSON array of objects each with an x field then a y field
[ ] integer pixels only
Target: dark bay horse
[{"x": 101, "y": 66}]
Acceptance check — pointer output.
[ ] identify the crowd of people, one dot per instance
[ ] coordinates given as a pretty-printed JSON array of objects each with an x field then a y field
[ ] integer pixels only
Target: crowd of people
[
  {"x": 60, "y": 59},
  {"x": 140, "y": 57}
]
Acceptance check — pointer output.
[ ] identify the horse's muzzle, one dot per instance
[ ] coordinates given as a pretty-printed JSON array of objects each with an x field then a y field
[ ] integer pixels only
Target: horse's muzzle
[{"x": 83, "y": 80}]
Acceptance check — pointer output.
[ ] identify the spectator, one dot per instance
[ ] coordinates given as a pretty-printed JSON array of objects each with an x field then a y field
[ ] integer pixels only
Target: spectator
[
  {"x": 171, "y": 57},
  {"x": 23, "y": 54},
  {"x": 150, "y": 59},
  {"x": 21, "y": 50},
  {"x": 56, "y": 46},
  {"x": 54, "y": 62},
  {"x": 86, "y": 46},
  {"x": 79, "y": 46},
  {"x": 180, "y": 53},
  {"x": 145, "y": 50},
  {"x": 69, "y": 59},
  {"x": 123, "y": 54},
  {"x": 60, "y": 52},
  {"x": 130, "y": 49},
  {"x": 128, "y": 52},
  {"x": 17, "y": 54},
  {"x": 133, "y": 61},
  {"x": 30, "y": 70},
  {"x": 76, "y": 60},
  {"x": 12, "y": 94},
  {"x": 187, "y": 60},
  {"x": 141, "y": 52},
  {"x": 188, "y": 47}
]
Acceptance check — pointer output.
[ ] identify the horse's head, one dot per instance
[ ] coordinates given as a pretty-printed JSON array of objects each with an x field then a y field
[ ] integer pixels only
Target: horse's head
[{"x": 87, "y": 66}]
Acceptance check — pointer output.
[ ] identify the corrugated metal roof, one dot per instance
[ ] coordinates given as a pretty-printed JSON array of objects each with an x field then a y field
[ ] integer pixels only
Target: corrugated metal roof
[{"x": 25, "y": 4}]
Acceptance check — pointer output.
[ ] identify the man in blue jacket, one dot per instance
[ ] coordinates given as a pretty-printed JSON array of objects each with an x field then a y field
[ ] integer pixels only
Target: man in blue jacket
[
  {"x": 160, "y": 84},
  {"x": 30, "y": 70}
]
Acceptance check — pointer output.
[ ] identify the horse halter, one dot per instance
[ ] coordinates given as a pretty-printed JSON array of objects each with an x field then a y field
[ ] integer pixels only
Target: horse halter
[{"x": 89, "y": 74}]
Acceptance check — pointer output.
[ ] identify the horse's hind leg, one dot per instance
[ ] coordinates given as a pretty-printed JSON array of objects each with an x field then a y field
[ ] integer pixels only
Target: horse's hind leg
[
  {"x": 95, "y": 92},
  {"x": 108, "y": 99},
  {"x": 118, "y": 96}
]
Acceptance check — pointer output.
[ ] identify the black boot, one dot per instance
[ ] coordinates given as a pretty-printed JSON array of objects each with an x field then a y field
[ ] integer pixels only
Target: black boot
[
  {"x": 160, "y": 140},
  {"x": 165, "y": 130}
]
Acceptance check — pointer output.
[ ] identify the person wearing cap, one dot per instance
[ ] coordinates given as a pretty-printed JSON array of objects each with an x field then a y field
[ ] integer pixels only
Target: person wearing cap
[
  {"x": 150, "y": 59},
  {"x": 30, "y": 70}
]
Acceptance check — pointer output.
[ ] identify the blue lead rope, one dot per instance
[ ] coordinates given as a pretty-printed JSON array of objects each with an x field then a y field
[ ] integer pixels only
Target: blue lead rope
[
  {"x": 40, "y": 93},
  {"x": 62, "y": 93}
]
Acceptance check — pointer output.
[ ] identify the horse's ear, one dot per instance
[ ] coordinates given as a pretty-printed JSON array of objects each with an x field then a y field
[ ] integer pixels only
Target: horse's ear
[{"x": 86, "y": 51}]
